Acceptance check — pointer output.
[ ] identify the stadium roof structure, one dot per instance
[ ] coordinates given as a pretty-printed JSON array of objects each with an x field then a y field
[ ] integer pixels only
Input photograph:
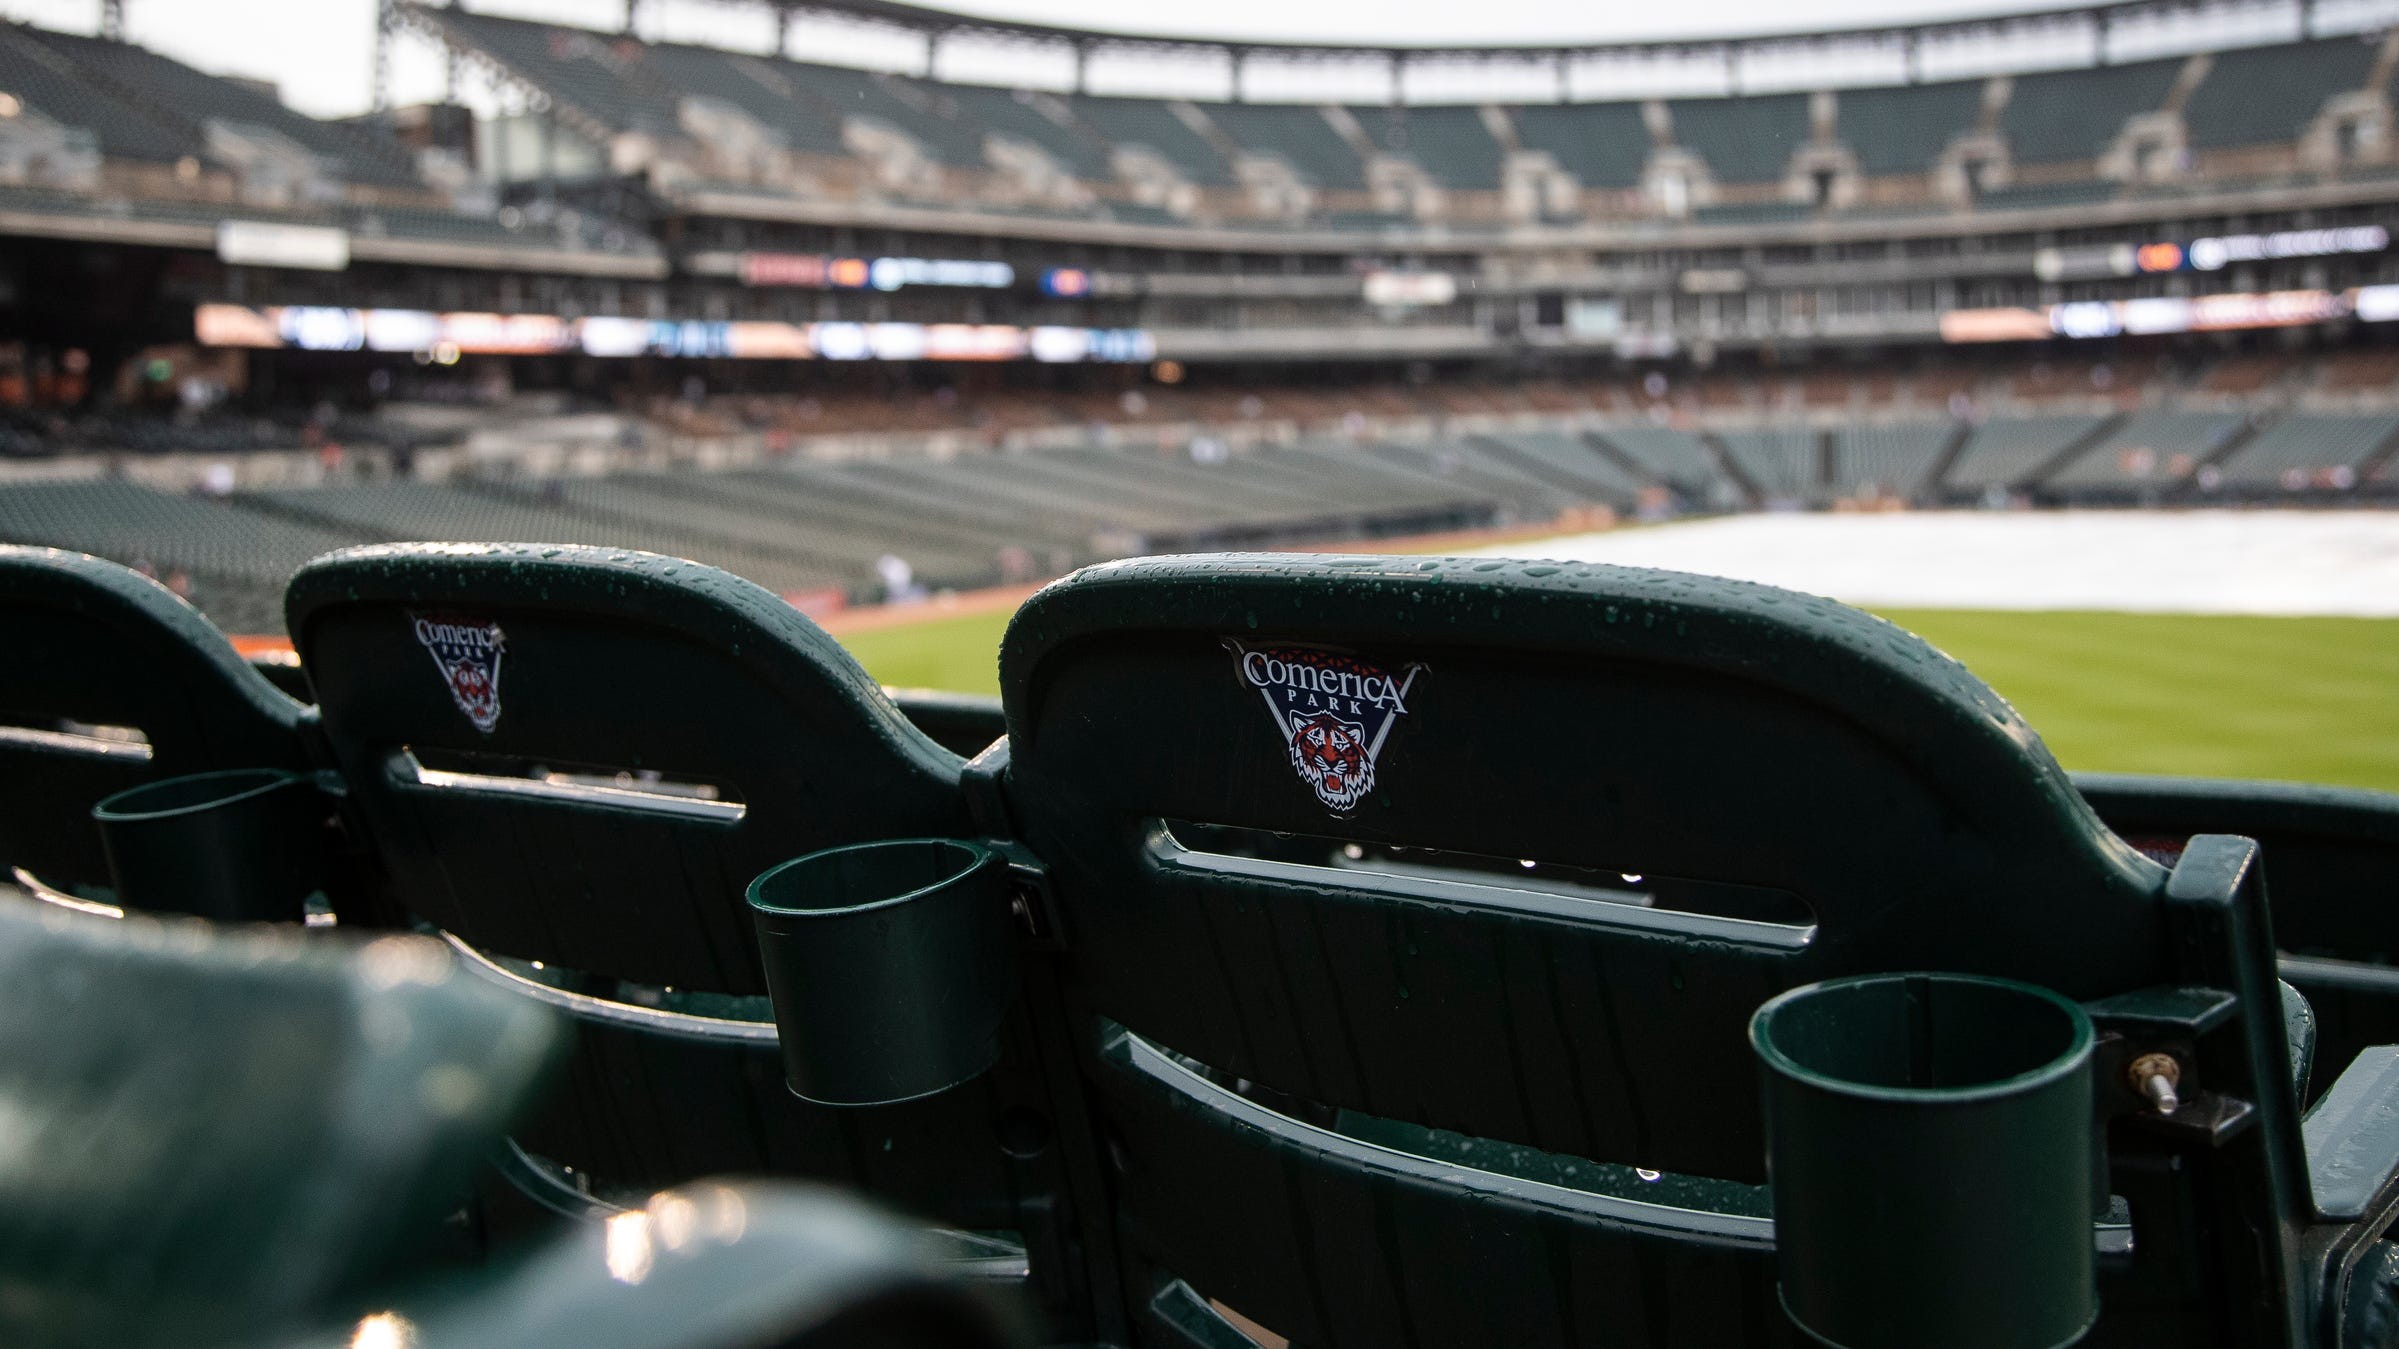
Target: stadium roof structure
[
  {"x": 938, "y": 22},
  {"x": 2099, "y": 23}
]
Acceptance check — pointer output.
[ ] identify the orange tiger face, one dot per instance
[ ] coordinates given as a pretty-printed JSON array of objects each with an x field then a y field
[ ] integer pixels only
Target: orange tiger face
[{"x": 1331, "y": 755}]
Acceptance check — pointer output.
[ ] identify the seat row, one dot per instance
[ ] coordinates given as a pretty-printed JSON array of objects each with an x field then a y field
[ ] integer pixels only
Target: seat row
[{"x": 1362, "y": 949}]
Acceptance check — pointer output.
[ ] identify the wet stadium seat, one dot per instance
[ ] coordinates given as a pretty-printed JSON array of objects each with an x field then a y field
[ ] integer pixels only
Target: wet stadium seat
[
  {"x": 963, "y": 723},
  {"x": 252, "y": 1137},
  {"x": 2332, "y": 860},
  {"x": 572, "y": 761},
  {"x": 706, "y": 1266},
  {"x": 215, "y": 1136},
  {"x": 1416, "y": 909},
  {"x": 118, "y": 652}
]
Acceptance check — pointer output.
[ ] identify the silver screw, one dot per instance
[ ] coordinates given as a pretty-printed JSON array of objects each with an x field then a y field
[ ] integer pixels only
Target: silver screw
[{"x": 2155, "y": 1077}]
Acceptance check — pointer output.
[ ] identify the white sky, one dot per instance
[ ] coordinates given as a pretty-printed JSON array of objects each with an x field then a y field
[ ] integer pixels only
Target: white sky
[{"x": 320, "y": 52}]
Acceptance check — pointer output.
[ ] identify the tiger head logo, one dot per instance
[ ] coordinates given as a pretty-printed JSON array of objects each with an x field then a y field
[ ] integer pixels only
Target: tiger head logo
[
  {"x": 1334, "y": 712},
  {"x": 467, "y": 651},
  {"x": 1330, "y": 755}
]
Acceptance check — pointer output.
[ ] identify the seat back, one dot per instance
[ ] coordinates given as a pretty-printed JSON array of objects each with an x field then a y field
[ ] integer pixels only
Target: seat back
[
  {"x": 1425, "y": 849},
  {"x": 574, "y": 760},
  {"x": 2332, "y": 857},
  {"x": 221, "y": 1137},
  {"x": 964, "y": 723},
  {"x": 102, "y": 646},
  {"x": 581, "y": 756}
]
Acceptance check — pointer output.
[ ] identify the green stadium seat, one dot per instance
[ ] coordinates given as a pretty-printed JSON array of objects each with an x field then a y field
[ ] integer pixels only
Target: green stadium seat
[
  {"x": 223, "y": 1137},
  {"x": 1430, "y": 1028},
  {"x": 1151, "y": 124},
  {"x": 119, "y": 653},
  {"x": 637, "y": 738},
  {"x": 2058, "y": 116},
  {"x": 2331, "y": 854},
  {"x": 1904, "y": 128},
  {"x": 1450, "y": 143},
  {"x": 711, "y": 1265},
  {"x": 2257, "y": 95},
  {"x": 250, "y": 1137},
  {"x": 965, "y": 724},
  {"x": 743, "y": 80},
  {"x": 1297, "y": 134},
  {"x": 1743, "y": 139},
  {"x": 1603, "y": 145}
]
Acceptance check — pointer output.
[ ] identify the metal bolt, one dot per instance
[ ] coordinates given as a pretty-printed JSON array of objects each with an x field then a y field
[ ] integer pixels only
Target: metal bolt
[
  {"x": 2154, "y": 1077},
  {"x": 1026, "y": 907}
]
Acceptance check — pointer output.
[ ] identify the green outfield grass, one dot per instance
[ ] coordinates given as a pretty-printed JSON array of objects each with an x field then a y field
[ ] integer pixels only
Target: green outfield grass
[{"x": 2307, "y": 699}]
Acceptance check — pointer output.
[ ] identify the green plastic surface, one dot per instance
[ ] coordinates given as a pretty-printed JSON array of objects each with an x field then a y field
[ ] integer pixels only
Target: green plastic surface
[
  {"x": 215, "y": 1136},
  {"x": 1615, "y": 720},
  {"x": 101, "y": 645},
  {"x": 242, "y": 844},
  {"x": 1930, "y": 1141},
  {"x": 617, "y": 662},
  {"x": 2332, "y": 858},
  {"x": 1790, "y": 791},
  {"x": 891, "y": 965},
  {"x": 963, "y": 723},
  {"x": 710, "y": 1266},
  {"x": 627, "y": 911}
]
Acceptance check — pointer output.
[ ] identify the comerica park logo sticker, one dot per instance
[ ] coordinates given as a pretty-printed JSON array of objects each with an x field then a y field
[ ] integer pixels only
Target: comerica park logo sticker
[
  {"x": 1334, "y": 711},
  {"x": 468, "y": 652}
]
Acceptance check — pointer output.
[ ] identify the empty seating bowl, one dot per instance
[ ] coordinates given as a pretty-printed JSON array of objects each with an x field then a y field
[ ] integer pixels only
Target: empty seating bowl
[
  {"x": 890, "y": 966},
  {"x": 1929, "y": 1142},
  {"x": 243, "y": 844}
]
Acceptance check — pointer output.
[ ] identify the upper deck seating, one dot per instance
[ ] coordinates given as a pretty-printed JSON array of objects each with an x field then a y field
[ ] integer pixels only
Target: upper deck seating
[
  {"x": 575, "y": 64},
  {"x": 1450, "y": 143},
  {"x": 1151, "y": 124},
  {"x": 1904, "y": 129},
  {"x": 1297, "y": 134},
  {"x": 1011, "y": 113},
  {"x": 753, "y": 84},
  {"x": 52, "y": 85},
  {"x": 904, "y": 105},
  {"x": 2062, "y": 115},
  {"x": 1601, "y": 144},
  {"x": 2257, "y": 95},
  {"x": 1744, "y": 140},
  {"x": 362, "y": 151}
]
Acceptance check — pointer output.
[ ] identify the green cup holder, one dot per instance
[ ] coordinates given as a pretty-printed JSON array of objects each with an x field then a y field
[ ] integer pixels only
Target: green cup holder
[
  {"x": 890, "y": 966},
  {"x": 1929, "y": 1144},
  {"x": 242, "y": 845}
]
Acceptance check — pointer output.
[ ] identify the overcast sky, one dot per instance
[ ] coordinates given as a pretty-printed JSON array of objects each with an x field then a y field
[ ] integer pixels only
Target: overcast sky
[{"x": 320, "y": 52}]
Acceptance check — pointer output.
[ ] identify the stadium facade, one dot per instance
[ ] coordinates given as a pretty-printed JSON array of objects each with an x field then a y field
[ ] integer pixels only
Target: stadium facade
[{"x": 2131, "y": 253}]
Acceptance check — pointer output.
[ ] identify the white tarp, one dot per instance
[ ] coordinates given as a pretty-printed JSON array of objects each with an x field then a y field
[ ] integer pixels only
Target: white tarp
[{"x": 2208, "y": 561}]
